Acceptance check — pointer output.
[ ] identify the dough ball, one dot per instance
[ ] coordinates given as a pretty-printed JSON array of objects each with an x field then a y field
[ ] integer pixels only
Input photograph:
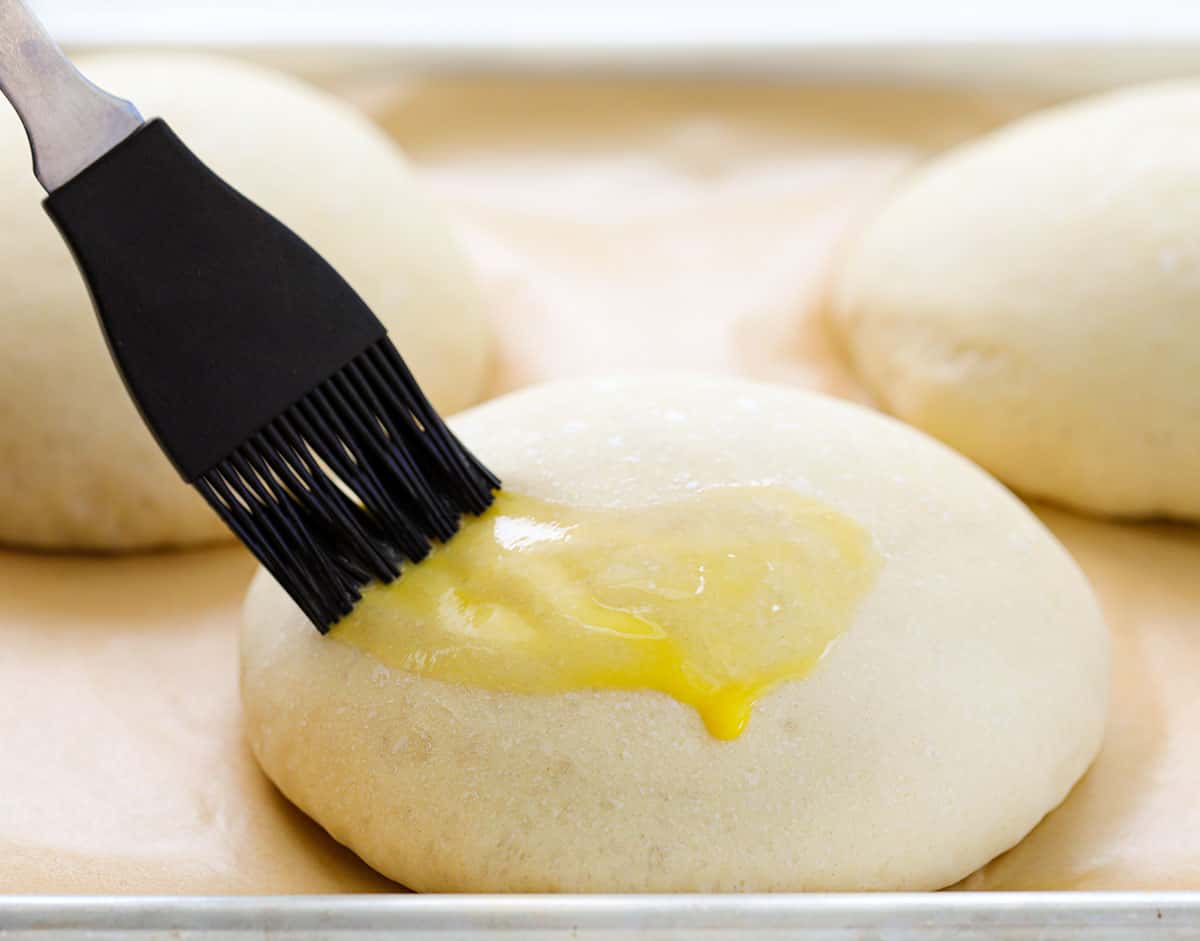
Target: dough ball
[
  {"x": 966, "y": 697},
  {"x": 1033, "y": 300},
  {"x": 77, "y": 467}
]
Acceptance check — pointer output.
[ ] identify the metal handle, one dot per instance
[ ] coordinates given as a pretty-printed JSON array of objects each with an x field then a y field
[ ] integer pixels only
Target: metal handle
[{"x": 70, "y": 122}]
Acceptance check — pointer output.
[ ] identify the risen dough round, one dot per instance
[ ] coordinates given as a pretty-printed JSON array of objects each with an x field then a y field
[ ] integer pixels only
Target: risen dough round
[
  {"x": 963, "y": 702},
  {"x": 77, "y": 467},
  {"x": 1033, "y": 299}
]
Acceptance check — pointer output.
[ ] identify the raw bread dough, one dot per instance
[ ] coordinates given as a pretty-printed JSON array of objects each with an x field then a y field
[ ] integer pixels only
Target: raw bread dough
[
  {"x": 1031, "y": 299},
  {"x": 79, "y": 470},
  {"x": 964, "y": 701}
]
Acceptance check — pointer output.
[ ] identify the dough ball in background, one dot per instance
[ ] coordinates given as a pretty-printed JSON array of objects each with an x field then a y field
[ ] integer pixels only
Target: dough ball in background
[
  {"x": 1033, "y": 300},
  {"x": 78, "y": 469},
  {"x": 966, "y": 697}
]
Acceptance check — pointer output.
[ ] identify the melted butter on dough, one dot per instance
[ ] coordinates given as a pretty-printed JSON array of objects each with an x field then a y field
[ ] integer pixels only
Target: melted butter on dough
[{"x": 712, "y": 599}]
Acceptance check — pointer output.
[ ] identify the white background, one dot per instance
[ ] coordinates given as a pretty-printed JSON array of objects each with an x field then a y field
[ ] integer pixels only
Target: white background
[
  {"x": 1068, "y": 43},
  {"x": 623, "y": 21}
]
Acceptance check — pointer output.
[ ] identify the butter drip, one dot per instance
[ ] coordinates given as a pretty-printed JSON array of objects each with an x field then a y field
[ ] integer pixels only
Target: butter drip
[{"x": 712, "y": 599}]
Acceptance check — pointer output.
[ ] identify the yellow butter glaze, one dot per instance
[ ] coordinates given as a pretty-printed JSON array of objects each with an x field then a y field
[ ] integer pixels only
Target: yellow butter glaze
[{"x": 712, "y": 599}]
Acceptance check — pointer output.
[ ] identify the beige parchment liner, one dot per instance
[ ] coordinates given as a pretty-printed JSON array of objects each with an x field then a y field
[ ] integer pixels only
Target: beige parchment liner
[{"x": 619, "y": 227}]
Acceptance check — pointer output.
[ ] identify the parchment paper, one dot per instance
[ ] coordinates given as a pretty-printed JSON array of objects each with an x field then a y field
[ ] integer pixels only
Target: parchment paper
[{"x": 617, "y": 226}]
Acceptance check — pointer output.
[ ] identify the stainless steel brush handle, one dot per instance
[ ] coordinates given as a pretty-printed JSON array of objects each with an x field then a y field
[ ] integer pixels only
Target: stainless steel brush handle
[{"x": 70, "y": 122}]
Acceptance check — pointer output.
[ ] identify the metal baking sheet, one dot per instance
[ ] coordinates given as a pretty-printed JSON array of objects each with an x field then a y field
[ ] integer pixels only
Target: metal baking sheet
[{"x": 1098, "y": 916}]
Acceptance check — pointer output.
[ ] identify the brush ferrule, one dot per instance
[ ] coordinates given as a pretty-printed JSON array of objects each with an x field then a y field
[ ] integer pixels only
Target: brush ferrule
[{"x": 69, "y": 121}]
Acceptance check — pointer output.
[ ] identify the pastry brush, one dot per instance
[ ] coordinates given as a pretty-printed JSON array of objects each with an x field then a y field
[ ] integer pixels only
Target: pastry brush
[{"x": 267, "y": 381}]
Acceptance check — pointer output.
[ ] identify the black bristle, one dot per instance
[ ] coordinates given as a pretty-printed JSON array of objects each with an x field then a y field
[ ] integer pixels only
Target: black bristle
[
  {"x": 264, "y": 377},
  {"x": 370, "y": 428},
  {"x": 475, "y": 482}
]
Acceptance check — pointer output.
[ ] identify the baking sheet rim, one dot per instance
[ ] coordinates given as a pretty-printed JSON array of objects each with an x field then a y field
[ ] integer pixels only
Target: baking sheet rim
[{"x": 1140, "y": 911}]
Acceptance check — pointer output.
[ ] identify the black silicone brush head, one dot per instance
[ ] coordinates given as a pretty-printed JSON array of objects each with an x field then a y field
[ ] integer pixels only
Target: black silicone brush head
[
  {"x": 371, "y": 426},
  {"x": 264, "y": 377}
]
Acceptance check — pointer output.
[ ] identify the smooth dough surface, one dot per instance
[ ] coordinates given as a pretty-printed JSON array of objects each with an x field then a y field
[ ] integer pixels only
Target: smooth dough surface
[
  {"x": 1032, "y": 299},
  {"x": 963, "y": 702},
  {"x": 77, "y": 467}
]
